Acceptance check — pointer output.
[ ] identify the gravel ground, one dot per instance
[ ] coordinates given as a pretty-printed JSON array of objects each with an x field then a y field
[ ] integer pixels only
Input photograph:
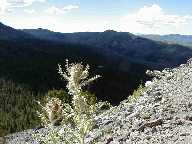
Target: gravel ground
[{"x": 162, "y": 114}]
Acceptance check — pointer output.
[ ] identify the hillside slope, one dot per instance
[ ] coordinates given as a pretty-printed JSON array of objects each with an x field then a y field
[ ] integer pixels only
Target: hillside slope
[
  {"x": 31, "y": 57},
  {"x": 185, "y": 40},
  {"x": 161, "y": 114},
  {"x": 9, "y": 33},
  {"x": 33, "y": 62},
  {"x": 129, "y": 47}
]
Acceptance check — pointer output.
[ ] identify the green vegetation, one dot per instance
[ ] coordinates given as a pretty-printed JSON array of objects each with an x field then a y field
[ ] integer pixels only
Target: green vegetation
[
  {"x": 19, "y": 105},
  {"x": 3, "y": 133},
  {"x": 136, "y": 93},
  {"x": 61, "y": 94},
  {"x": 17, "y": 109}
]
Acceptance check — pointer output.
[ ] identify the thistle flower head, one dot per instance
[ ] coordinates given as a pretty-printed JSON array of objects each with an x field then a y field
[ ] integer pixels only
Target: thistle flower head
[{"x": 77, "y": 76}]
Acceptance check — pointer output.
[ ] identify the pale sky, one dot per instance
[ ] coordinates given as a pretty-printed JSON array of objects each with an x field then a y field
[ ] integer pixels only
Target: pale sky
[{"x": 135, "y": 16}]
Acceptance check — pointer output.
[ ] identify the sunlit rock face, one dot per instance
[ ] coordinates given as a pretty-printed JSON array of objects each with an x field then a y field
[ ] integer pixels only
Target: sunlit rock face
[{"x": 162, "y": 114}]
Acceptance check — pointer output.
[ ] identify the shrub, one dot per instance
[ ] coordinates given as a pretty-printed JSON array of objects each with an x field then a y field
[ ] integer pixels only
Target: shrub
[
  {"x": 51, "y": 113},
  {"x": 61, "y": 94},
  {"x": 77, "y": 118}
]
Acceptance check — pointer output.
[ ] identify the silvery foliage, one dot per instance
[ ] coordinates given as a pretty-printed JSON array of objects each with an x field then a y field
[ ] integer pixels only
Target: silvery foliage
[
  {"x": 77, "y": 77},
  {"x": 52, "y": 112},
  {"x": 78, "y": 119}
]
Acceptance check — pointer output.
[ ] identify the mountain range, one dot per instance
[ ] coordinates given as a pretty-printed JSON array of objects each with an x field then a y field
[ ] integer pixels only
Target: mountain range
[
  {"x": 31, "y": 57},
  {"x": 185, "y": 40},
  {"x": 130, "y": 47}
]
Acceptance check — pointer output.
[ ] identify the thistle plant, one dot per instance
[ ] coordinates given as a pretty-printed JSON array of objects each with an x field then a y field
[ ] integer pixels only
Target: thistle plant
[
  {"x": 77, "y": 119},
  {"x": 77, "y": 77}
]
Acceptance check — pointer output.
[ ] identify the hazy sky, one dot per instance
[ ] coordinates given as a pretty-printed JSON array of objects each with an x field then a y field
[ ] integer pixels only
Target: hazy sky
[{"x": 135, "y": 16}]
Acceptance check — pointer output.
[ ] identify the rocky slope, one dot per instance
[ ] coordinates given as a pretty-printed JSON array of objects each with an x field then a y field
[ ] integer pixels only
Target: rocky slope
[{"x": 161, "y": 114}]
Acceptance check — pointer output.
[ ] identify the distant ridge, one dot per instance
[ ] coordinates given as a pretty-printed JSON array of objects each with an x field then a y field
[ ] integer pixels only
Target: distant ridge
[
  {"x": 128, "y": 46},
  {"x": 9, "y": 33},
  {"x": 185, "y": 40}
]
